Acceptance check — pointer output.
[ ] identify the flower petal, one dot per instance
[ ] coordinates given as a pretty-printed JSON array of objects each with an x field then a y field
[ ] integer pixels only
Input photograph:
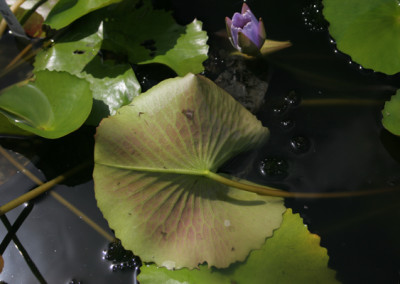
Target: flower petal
[
  {"x": 251, "y": 31},
  {"x": 239, "y": 20},
  {"x": 247, "y": 46},
  {"x": 228, "y": 23}
]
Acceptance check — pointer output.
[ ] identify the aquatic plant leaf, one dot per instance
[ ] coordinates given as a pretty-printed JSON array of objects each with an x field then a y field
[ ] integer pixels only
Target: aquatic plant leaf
[
  {"x": 391, "y": 114},
  {"x": 67, "y": 11},
  {"x": 152, "y": 159},
  {"x": 73, "y": 51},
  {"x": 113, "y": 85},
  {"x": 367, "y": 30},
  {"x": 53, "y": 105},
  {"x": 189, "y": 52},
  {"x": 292, "y": 255},
  {"x": 153, "y": 36},
  {"x": 7, "y": 128}
]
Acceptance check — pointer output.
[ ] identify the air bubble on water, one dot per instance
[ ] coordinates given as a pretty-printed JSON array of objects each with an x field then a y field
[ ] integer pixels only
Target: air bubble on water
[
  {"x": 292, "y": 98},
  {"x": 287, "y": 123},
  {"x": 313, "y": 18},
  {"x": 280, "y": 108},
  {"x": 300, "y": 144},
  {"x": 121, "y": 259},
  {"x": 274, "y": 167}
]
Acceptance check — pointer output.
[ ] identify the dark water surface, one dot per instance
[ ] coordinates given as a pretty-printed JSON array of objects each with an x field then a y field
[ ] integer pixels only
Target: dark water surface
[{"x": 313, "y": 147}]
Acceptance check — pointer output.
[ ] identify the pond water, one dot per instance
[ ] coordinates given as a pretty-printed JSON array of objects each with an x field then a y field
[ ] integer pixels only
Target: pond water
[{"x": 317, "y": 144}]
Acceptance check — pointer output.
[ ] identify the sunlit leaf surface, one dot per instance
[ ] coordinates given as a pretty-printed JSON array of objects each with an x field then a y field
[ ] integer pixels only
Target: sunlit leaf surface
[
  {"x": 151, "y": 159},
  {"x": 367, "y": 30},
  {"x": 292, "y": 255}
]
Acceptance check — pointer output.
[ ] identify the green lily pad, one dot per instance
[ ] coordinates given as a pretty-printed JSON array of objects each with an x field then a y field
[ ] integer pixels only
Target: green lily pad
[
  {"x": 146, "y": 36},
  {"x": 73, "y": 51},
  {"x": 67, "y": 11},
  {"x": 367, "y": 30},
  {"x": 7, "y": 128},
  {"x": 53, "y": 105},
  {"x": 113, "y": 85},
  {"x": 189, "y": 52},
  {"x": 292, "y": 255},
  {"x": 391, "y": 114},
  {"x": 154, "y": 158}
]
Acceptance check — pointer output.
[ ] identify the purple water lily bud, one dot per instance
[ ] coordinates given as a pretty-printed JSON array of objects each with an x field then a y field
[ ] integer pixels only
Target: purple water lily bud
[{"x": 246, "y": 33}]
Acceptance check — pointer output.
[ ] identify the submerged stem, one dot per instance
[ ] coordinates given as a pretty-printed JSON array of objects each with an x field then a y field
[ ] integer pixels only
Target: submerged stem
[
  {"x": 39, "y": 190},
  {"x": 270, "y": 191},
  {"x": 341, "y": 102},
  {"x": 13, "y": 8}
]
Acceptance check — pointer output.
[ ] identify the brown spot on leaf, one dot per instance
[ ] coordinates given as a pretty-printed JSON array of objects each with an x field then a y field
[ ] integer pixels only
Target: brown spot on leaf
[
  {"x": 140, "y": 113},
  {"x": 79, "y": 51},
  {"x": 188, "y": 113}
]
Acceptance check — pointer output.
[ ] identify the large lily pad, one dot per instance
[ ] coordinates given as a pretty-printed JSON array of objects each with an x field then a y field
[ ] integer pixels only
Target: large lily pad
[
  {"x": 53, "y": 105},
  {"x": 153, "y": 159},
  {"x": 292, "y": 255},
  {"x": 391, "y": 114},
  {"x": 367, "y": 30},
  {"x": 67, "y": 11}
]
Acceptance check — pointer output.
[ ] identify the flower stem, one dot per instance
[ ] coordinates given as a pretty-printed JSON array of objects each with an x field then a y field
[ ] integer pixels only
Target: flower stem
[
  {"x": 270, "y": 191},
  {"x": 340, "y": 102}
]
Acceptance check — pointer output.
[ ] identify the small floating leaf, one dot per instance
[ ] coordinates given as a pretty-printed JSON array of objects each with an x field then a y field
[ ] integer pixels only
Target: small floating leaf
[
  {"x": 74, "y": 50},
  {"x": 391, "y": 114},
  {"x": 188, "y": 53},
  {"x": 53, "y": 105},
  {"x": 148, "y": 35},
  {"x": 292, "y": 255},
  {"x": 367, "y": 30},
  {"x": 152, "y": 160},
  {"x": 113, "y": 85}
]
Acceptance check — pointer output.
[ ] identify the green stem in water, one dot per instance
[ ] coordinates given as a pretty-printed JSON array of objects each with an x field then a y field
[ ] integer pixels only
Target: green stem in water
[
  {"x": 270, "y": 191},
  {"x": 340, "y": 102},
  {"x": 39, "y": 190}
]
